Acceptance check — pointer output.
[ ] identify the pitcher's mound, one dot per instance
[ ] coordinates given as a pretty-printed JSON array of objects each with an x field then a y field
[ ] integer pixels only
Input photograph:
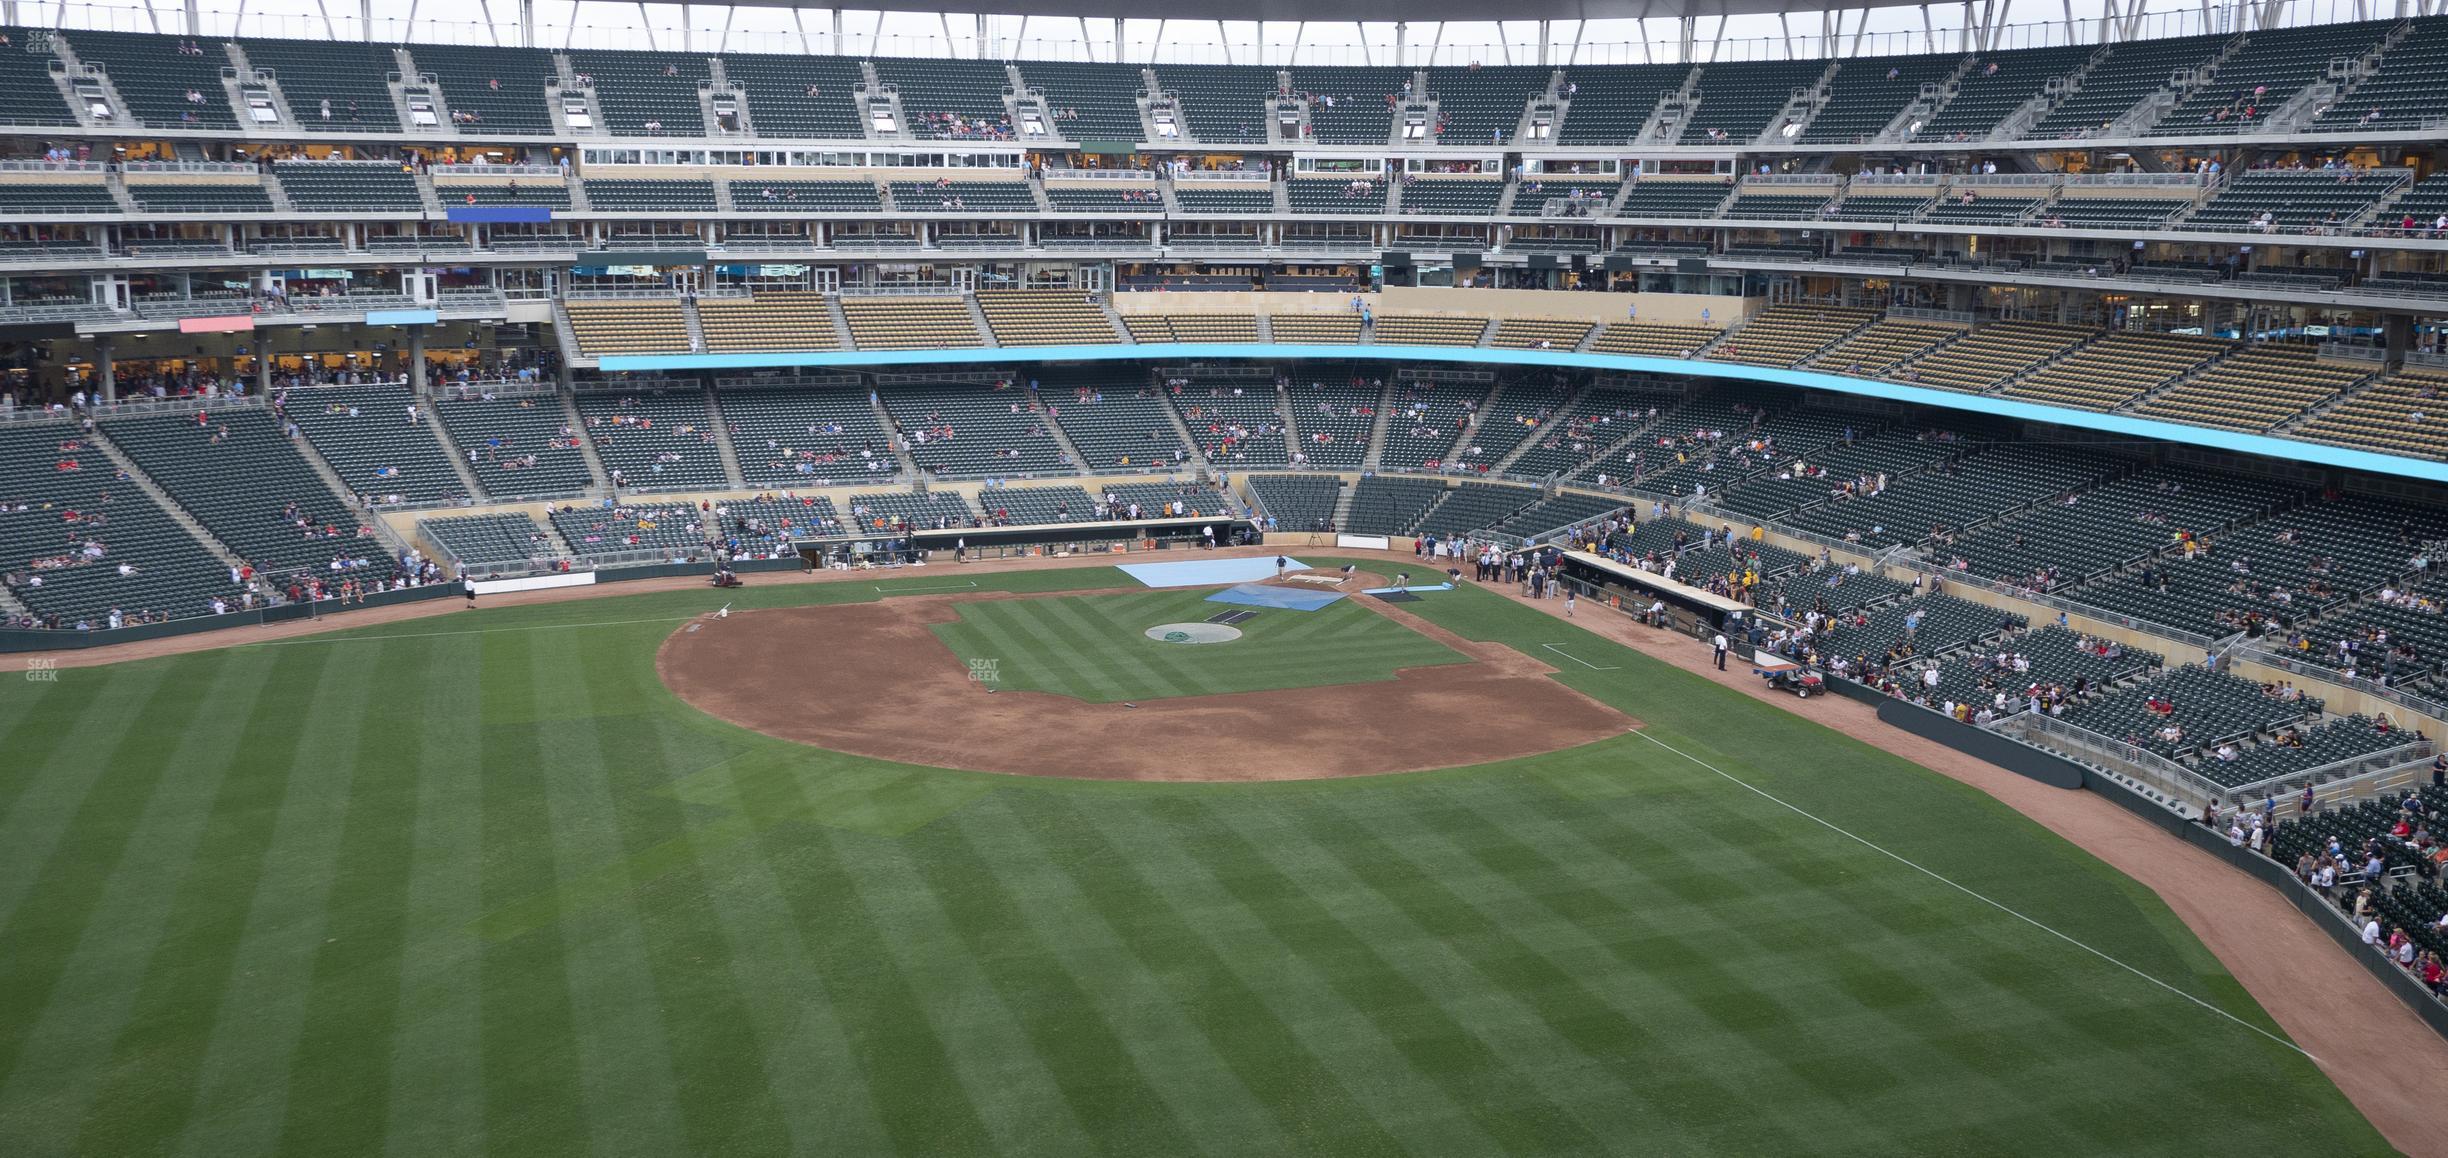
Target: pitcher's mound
[{"x": 1193, "y": 633}]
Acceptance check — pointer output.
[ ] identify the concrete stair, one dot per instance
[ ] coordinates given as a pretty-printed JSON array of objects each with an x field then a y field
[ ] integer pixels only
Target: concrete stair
[
  {"x": 459, "y": 464},
  {"x": 1523, "y": 447},
  {"x": 1061, "y": 437},
  {"x": 161, "y": 498},
  {"x": 722, "y": 440},
  {"x": 977, "y": 317},
  {"x": 586, "y": 443},
  {"x": 1375, "y": 454}
]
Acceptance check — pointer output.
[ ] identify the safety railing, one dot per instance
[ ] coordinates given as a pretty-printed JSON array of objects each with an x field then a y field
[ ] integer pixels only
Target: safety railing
[{"x": 2131, "y": 760}]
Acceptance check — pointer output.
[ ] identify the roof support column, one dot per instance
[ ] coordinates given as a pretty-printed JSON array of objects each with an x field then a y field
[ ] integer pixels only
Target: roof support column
[
  {"x": 1400, "y": 29},
  {"x": 1086, "y": 45},
  {"x": 195, "y": 23},
  {"x": 1685, "y": 27},
  {"x": 1222, "y": 41},
  {"x": 837, "y": 32},
  {"x": 527, "y": 29},
  {"x": 688, "y": 28},
  {"x": 1362, "y": 27},
  {"x": 983, "y": 52},
  {"x": 1546, "y": 34},
  {"x": 365, "y": 20}
]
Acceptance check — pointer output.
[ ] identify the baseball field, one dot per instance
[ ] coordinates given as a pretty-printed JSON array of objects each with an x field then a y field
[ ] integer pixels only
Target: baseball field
[{"x": 518, "y": 881}]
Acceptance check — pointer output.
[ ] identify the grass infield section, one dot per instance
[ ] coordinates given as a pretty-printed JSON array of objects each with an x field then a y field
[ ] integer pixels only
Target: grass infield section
[
  {"x": 482, "y": 885},
  {"x": 1095, "y": 647}
]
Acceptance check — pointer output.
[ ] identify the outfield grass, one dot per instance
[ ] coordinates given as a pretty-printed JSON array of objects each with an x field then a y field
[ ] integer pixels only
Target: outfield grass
[
  {"x": 479, "y": 884},
  {"x": 1095, "y": 647}
]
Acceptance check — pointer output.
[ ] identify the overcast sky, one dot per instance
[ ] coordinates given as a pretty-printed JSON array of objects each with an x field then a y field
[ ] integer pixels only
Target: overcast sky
[{"x": 716, "y": 28}]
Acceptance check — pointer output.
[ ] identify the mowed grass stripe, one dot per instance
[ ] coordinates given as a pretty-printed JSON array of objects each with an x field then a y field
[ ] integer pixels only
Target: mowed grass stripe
[
  {"x": 1668, "y": 968},
  {"x": 1059, "y": 877},
  {"x": 49, "y": 782},
  {"x": 1013, "y": 1087},
  {"x": 925, "y": 1107},
  {"x": 532, "y": 1097},
  {"x": 1521, "y": 1030},
  {"x": 42, "y": 718},
  {"x": 1363, "y": 1092},
  {"x": 625, "y": 1071},
  {"x": 77, "y": 947},
  {"x": 436, "y": 1098},
  {"x": 687, "y": 949},
  {"x": 814, "y": 1081},
  {"x": 242, "y": 1092},
  {"x": 1513, "y": 1113},
  {"x": 1022, "y": 655},
  {"x": 1118, "y": 647},
  {"x": 339, "y": 1073},
  {"x": 154, "y": 1061},
  {"x": 1097, "y": 1067}
]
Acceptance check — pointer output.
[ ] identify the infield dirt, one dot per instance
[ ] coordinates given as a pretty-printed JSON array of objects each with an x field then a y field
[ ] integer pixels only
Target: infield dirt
[{"x": 789, "y": 672}]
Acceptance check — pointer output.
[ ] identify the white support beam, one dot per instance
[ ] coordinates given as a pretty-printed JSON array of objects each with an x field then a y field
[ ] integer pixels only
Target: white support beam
[
  {"x": 1546, "y": 35},
  {"x": 1361, "y": 26},
  {"x": 1224, "y": 42},
  {"x": 643, "y": 23}
]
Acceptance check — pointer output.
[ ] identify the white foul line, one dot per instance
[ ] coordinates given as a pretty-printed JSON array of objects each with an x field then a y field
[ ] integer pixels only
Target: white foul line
[
  {"x": 915, "y": 590},
  {"x": 336, "y": 637},
  {"x": 1950, "y": 883},
  {"x": 1576, "y": 659}
]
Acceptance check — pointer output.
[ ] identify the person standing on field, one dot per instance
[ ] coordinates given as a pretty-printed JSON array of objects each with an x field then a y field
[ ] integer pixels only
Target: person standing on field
[
  {"x": 1719, "y": 644},
  {"x": 1570, "y": 598}
]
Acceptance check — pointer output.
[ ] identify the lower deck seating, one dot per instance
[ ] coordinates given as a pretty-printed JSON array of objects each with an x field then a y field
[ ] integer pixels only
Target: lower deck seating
[
  {"x": 1118, "y": 425},
  {"x": 1298, "y": 502},
  {"x": 253, "y": 489},
  {"x": 77, "y": 541},
  {"x": 654, "y": 436},
  {"x": 910, "y": 323},
  {"x": 960, "y": 429},
  {"x": 796, "y": 435},
  {"x": 378, "y": 439},
  {"x": 490, "y": 541},
  {"x": 1034, "y": 506},
  {"x": 1237, "y": 422},
  {"x": 900, "y": 509},
  {"x": 517, "y": 445}
]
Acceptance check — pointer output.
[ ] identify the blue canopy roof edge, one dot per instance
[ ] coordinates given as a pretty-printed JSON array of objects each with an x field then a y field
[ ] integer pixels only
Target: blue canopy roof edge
[{"x": 2318, "y": 454}]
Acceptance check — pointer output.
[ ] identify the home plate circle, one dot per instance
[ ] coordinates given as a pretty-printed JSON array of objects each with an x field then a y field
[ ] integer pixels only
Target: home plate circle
[{"x": 1193, "y": 633}]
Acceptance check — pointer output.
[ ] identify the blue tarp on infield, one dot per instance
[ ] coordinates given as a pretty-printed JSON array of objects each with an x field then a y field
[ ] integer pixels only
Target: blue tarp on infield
[
  {"x": 1286, "y": 598},
  {"x": 1201, "y": 572}
]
